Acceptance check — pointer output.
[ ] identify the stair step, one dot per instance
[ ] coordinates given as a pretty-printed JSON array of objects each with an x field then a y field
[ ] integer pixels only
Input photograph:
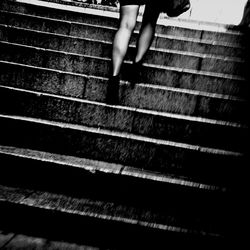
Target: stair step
[
  {"x": 103, "y": 49},
  {"x": 105, "y": 33},
  {"x": 149, "y": 97},
  {"x": 204, "y": 132},
  {"x": 181, "y": 159},
  {"x": 90, "y": 65},
  {"x": 47, "y": 80},
  {"x": 82, "y": 15},
  {"x": 97, "y": 179},
  {"x": 51, "y": 209}
]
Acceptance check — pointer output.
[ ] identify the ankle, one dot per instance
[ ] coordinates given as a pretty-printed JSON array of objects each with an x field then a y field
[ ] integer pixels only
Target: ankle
[
  {"x": 137, "y": 63},
  {"x": 114, "y": 78}
]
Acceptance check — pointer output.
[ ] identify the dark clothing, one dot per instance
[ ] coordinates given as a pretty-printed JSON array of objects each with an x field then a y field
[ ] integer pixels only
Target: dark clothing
[
  {"x": 172, "y": 8},
  {"x": 132, "y": 2}
]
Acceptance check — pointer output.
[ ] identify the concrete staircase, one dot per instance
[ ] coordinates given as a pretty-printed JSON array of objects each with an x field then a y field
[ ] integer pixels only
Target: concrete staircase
[{"x": 159, "y": 168}]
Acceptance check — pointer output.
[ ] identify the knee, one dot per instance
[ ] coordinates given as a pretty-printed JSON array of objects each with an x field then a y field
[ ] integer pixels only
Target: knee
[{"x": 128, "y": 24}]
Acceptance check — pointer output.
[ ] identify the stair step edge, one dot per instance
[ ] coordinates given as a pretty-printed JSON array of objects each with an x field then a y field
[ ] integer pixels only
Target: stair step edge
[
  {"x": 94, "y": 166},
  {"x": 212, "y": 151}
]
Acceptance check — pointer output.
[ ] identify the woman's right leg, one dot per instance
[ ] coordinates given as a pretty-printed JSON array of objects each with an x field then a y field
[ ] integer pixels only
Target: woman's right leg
[
  {"x": 147, "y": 31},
  {"x": 128, "y": 16}
]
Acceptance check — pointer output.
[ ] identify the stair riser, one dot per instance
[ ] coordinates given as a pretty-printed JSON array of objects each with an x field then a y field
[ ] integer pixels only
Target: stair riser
[
  {"x": 94, "y": 115},
  {"x": 200, "y": 165},
  {"x": 198, "y": 47},
  {"x": 140, "y": 97},
  {"x": 100, "y": 49},
  {"x": 113, "y": 22}
]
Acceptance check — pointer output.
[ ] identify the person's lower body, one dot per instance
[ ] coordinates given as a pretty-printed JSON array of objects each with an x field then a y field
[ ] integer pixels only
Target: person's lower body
[
  {"x": 128, "y": 17},
  {"x": 145, "y": 39}
]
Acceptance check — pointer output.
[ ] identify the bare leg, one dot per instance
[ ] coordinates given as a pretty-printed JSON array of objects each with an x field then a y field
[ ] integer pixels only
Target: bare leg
[
  {"x": 146, "y": 36},
  {"x": 128, "y": 16},
  {"x": 147, "y": 31}
]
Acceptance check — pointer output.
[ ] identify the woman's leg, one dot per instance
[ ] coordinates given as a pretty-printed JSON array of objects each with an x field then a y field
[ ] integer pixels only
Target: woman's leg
[
  {"x": 146, "y": 36},
  {"x": 147, "y": 31},
  {"x": 128, "y": 16}
]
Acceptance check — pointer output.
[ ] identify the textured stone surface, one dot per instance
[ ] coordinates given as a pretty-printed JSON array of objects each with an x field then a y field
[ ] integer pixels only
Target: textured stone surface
[
  {"x": 100, "y": 67},
  {"x": 22, "y": 242},
  {"x": 121, "y": 119},
  {"x": 103, "y": 33},
  {"x": 140, "y": 97},
  {"x": 110, "y": 151},
  {"x": 167, "y": 157},
  {"x": 102, "y": 49},
  {"x": 96, "y": 48},
  {"x": 5, "y": 237},
  {"x": 12, "y": 194}
]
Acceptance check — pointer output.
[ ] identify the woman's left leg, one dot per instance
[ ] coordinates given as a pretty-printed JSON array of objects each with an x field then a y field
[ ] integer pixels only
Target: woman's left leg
[
  {"x": 146, "y": 36},
  {"x": 128, "y": 16}
]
